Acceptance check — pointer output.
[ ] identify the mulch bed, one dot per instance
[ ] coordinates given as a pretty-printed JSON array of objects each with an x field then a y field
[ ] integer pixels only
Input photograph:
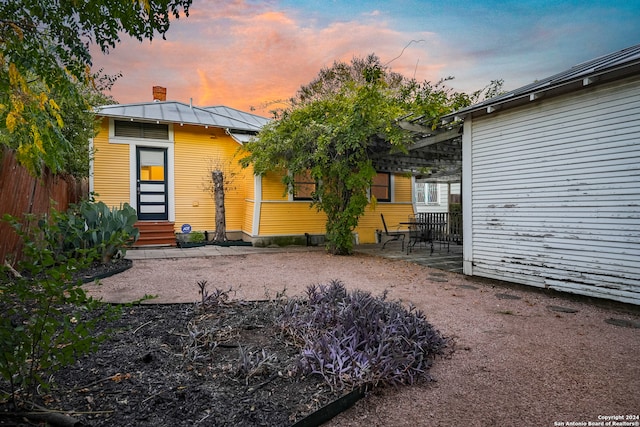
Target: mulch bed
[
  {"x": 100, "y": 271},
  {"x": 181, "y": 366},
  {"x": 153, "y": 373}
]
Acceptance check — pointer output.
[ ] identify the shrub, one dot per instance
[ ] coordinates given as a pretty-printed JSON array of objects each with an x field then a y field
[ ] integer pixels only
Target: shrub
[
  {"x": 196, "y": 237},
  {"x": 47, "y": 319},
  {"x": 109, "y": 230},
  {"x": 88, "y": 225},
  {"x": 354, "y": 338}
]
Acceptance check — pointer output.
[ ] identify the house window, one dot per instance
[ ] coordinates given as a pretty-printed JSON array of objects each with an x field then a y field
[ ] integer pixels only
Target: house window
[
  {"x": 303, "y": 186},
  {"x": 419, "y": 193},
  {"x": 381, "y": 187},
  {"x": 432, "y": 193},
  {"x": 142, "y": 130}
]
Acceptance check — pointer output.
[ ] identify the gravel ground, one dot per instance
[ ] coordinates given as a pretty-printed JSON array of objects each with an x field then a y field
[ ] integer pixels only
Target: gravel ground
[{"x": 522, "y": 357}]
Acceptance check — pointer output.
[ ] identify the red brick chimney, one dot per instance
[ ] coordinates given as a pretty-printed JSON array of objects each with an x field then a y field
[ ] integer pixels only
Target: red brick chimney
[{"x": 159, "y": 93}]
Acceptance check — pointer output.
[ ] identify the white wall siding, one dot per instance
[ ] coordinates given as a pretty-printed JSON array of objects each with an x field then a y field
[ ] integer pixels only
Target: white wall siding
[{"x": 556, "y": 193}]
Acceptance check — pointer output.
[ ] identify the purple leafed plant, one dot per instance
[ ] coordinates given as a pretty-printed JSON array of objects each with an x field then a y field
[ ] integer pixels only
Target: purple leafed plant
[
  {"x": 353, "y": 338},
  {"x": 213, "y": 300}
]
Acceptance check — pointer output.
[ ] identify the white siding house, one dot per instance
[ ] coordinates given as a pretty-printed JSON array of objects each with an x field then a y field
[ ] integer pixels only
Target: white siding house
[{"x": 551, "y": 181}]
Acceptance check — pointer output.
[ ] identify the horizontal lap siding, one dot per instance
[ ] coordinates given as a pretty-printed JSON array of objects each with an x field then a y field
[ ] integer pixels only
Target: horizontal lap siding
[
  {"x": 236, "y": 199},
  {"x": 397, "y": 211},
  {"x": 290, "y": 218},
  {"x": 196, "y": 150},
  {"x": 110, "y": 169},
  {"x": 297, "y": 218},
  {"x": 247, "y": 224},
  {"x": 394, "y": 214},
  {"x": 279, "y": 216},
  {"x": 273, "y": 188},
  {"x": 402, "y": 189},
  {"x": 556, "y": 194}
]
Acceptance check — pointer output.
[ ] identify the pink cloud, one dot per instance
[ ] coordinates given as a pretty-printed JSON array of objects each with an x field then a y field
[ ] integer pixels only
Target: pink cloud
[{"x": 232, "y": 54}]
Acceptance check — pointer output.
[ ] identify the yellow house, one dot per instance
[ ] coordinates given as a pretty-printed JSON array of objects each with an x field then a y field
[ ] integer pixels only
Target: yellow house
[{"x": 158, "y": 157}]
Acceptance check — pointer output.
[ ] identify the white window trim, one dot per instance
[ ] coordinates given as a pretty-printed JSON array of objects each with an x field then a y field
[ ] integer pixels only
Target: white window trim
[
  {"x": 91, "y": 165},
  {"x": 257, "y": 205},
  {"x": 133, "y": 172}
]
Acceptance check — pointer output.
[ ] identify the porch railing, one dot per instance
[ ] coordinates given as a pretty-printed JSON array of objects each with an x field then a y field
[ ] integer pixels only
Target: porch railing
[{"x": 446, "y": 226}]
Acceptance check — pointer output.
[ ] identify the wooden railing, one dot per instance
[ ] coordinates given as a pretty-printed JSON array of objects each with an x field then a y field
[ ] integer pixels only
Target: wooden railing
[{"x": 446, "y": 226}]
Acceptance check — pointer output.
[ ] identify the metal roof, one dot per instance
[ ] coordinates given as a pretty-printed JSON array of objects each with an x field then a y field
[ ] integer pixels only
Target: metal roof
[
  {"x": 242, "y": 116},
  {"x": 613, "y": 66},
  {"x": 178, "y": 112}
]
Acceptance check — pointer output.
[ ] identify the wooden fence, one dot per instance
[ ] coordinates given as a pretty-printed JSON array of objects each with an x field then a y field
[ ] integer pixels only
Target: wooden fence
[{"x": 21, "y": 193}]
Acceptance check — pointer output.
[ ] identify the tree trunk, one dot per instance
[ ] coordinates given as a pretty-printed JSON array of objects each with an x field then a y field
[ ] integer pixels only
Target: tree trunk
[{"x": 220, "y": 234}]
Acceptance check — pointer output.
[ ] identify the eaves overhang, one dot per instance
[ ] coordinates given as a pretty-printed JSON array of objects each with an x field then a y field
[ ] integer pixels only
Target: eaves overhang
[{"x": 608, "y": 68}]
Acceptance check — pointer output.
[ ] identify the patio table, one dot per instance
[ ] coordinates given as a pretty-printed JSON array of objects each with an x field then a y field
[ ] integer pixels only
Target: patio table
[{"x": 424, "y": 232}]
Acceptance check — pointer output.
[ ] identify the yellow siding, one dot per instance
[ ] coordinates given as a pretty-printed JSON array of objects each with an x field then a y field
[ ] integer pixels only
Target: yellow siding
[
  {"x": 279, "y": 216},
  {"x": 111, "y": 169},
  {"x": 249, "y": 184},
  {"x": 394, "y": 213},
  {"x": 247, "y": 225},
  {"x": 197, "y": 149},
  {"x": 283, "y": 218},
  {"x": 273, "y": 188},
  {"x": 403, "y": 191}
]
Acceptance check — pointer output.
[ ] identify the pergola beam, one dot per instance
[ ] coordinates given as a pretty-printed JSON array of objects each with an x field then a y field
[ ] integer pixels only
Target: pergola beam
[
  {"x": 434, "y": 154},
  {"x": 414, "y": 127},
  {"x": 436, "y": 138}
]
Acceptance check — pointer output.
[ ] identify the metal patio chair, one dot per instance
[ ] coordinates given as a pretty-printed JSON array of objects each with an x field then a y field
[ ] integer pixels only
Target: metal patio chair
[{"x": 393, "y": 235}]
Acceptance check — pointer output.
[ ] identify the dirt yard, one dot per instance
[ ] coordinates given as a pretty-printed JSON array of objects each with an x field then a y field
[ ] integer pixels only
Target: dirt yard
[{"x": 522, "y": 358}]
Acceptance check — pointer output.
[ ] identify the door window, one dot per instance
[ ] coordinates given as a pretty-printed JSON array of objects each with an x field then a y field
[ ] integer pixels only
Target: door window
[{"x": 152, "y": 184}]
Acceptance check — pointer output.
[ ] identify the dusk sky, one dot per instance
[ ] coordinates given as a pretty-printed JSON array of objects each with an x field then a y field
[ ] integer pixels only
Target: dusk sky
[{"x": 246, "y": 54}]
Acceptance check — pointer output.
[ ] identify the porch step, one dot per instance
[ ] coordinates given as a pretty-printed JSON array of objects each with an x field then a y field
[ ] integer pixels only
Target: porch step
[{"x": 154, "y": 233}]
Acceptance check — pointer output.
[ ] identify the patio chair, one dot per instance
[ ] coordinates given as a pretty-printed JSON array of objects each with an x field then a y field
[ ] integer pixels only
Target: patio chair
[{"x": 393, "y": 235}]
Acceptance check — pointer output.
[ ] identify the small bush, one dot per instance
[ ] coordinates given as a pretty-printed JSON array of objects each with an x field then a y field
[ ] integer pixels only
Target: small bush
[
  {"x": 354, "y": 338},
  {"x": 47, "y": 319},
  {"x": 196, "y": 237}
]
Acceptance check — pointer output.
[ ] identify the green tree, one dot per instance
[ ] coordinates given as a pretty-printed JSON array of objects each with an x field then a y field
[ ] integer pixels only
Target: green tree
[
  {"x": 431, "y": 101},
  {"x": 331, "y": 129},
  {"x": 80, "y": 123},
  {"x": 45, "y": 62}
]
